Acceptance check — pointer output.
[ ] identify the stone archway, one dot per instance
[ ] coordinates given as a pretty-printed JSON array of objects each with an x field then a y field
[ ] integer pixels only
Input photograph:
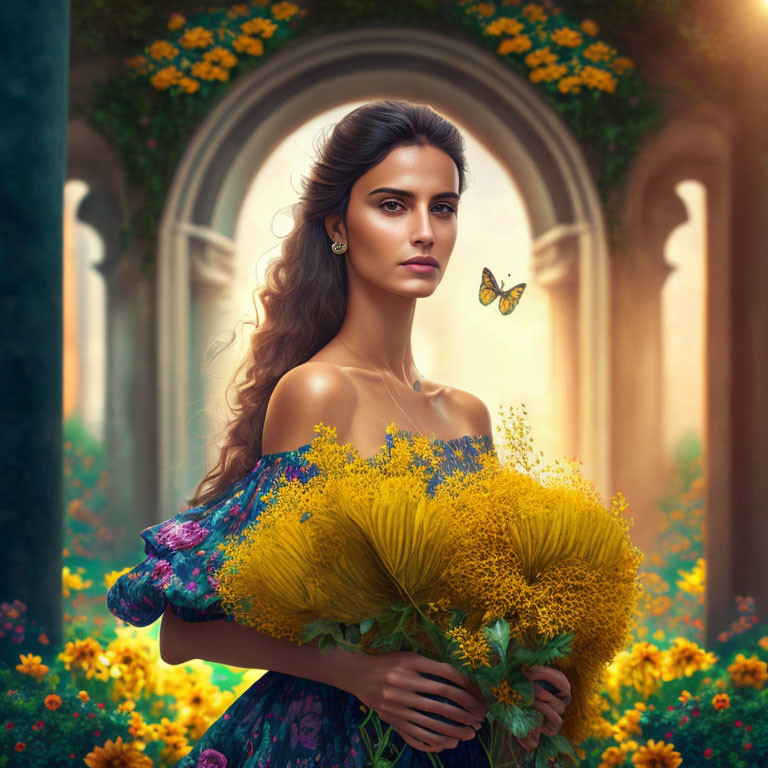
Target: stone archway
[
  {"x": 695, "y": 146},
  {"x": 196, "y": 249},
  {"x": 130, "y": 418}
]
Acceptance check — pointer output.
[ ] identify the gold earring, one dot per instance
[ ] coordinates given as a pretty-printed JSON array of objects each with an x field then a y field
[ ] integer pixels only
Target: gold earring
[{"x": 339, "y": 247}]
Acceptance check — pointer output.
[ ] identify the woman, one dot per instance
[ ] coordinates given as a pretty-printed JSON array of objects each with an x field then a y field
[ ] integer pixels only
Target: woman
[{"x": 374, "y": 231}]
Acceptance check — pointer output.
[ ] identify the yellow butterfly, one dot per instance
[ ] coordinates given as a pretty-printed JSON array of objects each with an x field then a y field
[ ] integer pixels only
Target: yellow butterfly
[{"x": 489, "y": 290}]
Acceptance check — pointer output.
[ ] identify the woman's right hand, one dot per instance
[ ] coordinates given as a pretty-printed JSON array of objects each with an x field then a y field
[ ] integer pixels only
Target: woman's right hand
[{"x": 390, "y": 685}]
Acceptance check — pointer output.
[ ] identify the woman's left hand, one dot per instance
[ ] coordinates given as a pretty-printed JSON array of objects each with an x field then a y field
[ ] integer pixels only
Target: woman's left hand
[{"x": 550, "y": 705}]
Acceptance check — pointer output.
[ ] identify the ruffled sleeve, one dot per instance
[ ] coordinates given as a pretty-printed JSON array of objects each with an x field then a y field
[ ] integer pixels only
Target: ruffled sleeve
[{"x": 184, "y": 554}]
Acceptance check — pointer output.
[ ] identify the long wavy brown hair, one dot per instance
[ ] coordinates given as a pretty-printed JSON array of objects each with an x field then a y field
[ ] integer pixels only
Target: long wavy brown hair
[{"x": 304, "y": 293}]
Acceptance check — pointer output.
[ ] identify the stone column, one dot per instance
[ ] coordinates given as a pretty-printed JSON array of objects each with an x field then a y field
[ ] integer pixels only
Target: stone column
[{"x": 34, "y": 39}]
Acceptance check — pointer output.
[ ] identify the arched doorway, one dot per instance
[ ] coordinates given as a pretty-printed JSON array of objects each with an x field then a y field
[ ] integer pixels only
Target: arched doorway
[{"x": 196, "y": 248}]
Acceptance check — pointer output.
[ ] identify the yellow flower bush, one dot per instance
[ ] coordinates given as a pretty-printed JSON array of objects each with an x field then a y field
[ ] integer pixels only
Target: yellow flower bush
[{"x": 132, "y": 664}]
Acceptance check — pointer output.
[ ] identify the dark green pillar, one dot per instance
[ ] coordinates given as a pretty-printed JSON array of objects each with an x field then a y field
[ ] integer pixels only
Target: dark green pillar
[{"x": 34, "y": 53}]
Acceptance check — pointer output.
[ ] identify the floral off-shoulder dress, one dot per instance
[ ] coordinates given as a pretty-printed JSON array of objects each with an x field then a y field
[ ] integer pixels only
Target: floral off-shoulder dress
[{"x": 281, "y": 721}]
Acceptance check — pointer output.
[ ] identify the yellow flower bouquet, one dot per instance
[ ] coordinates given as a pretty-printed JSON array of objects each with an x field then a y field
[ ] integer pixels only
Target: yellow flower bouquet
[{"x": 491, "y": 570}]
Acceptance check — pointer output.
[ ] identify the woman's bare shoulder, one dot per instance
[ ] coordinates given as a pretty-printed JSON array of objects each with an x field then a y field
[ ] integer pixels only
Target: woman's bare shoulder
[
  {"x": 470, "y": 409},
  {"x": 310, "y": 393}
]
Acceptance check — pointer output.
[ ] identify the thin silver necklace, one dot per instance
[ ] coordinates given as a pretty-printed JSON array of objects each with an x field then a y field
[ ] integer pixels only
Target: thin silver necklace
[{"x": 416, "y": 384}]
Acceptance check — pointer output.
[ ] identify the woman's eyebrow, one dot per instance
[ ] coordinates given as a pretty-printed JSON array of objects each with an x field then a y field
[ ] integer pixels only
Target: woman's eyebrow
[{"x": 406, "y": 193}]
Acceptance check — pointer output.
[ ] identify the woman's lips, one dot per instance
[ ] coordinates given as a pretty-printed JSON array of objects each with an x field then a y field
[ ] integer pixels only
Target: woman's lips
[{"x": 420, "y": 268}]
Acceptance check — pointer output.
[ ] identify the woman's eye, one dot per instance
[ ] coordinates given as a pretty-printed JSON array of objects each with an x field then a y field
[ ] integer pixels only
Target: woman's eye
[{"x": 446, "y": 207}]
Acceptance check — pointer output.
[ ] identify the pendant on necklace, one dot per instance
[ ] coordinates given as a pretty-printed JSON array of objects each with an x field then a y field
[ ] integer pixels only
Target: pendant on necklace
[{"x": 417, "y": 385}]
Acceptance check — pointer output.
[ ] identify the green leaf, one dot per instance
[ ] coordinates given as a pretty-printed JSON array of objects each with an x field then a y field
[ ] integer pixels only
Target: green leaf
[
  {"x": 492, "y": 676},
  {"x": 327, "y": 643},
  {"x": 560, "y": 744},
  {"x": 439, "y": 638},
  {"x": 353, "y": 633},
  {"x": 497, "y": 635},
  {"x": 519, "y": 721},
  {"x": 366, "y": 626},
  {"x": 320, "y": 627}
]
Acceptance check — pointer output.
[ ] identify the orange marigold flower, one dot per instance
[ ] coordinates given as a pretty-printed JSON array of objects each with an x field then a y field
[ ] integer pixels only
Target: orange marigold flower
[
  {"x": 612, "y": 756},
  {"x": 207, "y": 71},
  {"x": 748, "y": 671},
  {"x": 570, "y": 84},
  {"x": 721, "y": 701},
  {"x": 597, "y": 78},
  {"x": 540, "y": 56},
  {"x": 504, "y": 26},
  {"x": 165, "y": 78},
  {"x": 176, "y": 21},
  {"x": 566, "y": 37},
  {"x": 237, "y": 10},
  {"x": 258, "y": 26},
  {"x": 284, "y": 10},
  {"x": 197, "y": 37},
  {"x": 550, "y": 73},
  {"x": 598, "y": 52},
  {"x": 189, "y": 84},
  {"x": 589, "y": 27},
  {"x": 52, "y": 701},
  {"x": 221, "y": 56},
  {"x": 250, "y": 45},
  {"x": 517, "y": 44},
  {"x": 162, "y": 49},
  {"x": 534, "y": 12}
]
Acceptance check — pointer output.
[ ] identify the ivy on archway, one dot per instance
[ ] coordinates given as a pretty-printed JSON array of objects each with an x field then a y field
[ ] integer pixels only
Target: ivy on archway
[{"x": 150, "y": 110}]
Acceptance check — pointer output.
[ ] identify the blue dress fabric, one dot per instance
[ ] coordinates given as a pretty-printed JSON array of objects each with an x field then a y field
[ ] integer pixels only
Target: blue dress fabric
[{"x": 281, "y": 720}]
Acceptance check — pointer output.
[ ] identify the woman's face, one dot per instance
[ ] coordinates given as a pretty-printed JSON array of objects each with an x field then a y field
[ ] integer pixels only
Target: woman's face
[{"x": 403, "y": 207}]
